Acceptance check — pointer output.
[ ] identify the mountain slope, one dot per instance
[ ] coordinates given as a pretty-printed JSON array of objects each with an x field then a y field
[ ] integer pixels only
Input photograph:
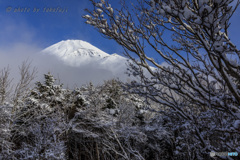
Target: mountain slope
[
  {"x": 78, "y": 62},
  {"x": 77, "y": 53}
]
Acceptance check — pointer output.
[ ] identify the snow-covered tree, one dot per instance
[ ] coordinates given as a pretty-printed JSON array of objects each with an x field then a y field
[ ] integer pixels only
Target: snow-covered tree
[
  {"x": 6, "y": 146},
  {"x": 40, "y": 122},
  {"x": 50, "y": 122},
  {"x": 198, "y": 85},
  {"x": 110, "y": 127}
]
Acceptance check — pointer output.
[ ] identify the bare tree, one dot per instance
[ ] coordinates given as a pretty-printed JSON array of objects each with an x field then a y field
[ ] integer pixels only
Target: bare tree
[
  {"x": 200, "y": 79},
  {"x": 5, "y": 84},
  {"x": 27, "y": 75},
  {"x": 7, "y": 109}
]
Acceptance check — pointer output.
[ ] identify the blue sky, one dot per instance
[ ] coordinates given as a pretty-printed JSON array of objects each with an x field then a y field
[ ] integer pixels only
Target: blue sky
[
  {"x": 44, "y": 29},
  {"x": 24, "y": 34}
]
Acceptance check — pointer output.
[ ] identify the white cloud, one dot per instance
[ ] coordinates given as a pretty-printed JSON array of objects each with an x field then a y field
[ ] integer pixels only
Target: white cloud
[
  {"x": 19, "y": 41},
  {"x": 70, "y": 76},
  {"x": 16, "y": 31}
]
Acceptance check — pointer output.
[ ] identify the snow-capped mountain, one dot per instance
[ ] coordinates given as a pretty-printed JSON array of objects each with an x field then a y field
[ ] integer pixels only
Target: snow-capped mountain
[
  {"x": 77, "y": 60},
  {"x": 77, "y": 53}
]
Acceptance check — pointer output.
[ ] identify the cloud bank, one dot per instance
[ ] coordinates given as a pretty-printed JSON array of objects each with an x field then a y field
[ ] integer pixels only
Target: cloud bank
[{"x": 19, "y": 42}]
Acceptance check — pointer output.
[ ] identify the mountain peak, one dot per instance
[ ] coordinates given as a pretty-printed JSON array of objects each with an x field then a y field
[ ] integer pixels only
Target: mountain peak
[
  {"x": 73, "y": 48},
  {"x": 77, "y": 53}
]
